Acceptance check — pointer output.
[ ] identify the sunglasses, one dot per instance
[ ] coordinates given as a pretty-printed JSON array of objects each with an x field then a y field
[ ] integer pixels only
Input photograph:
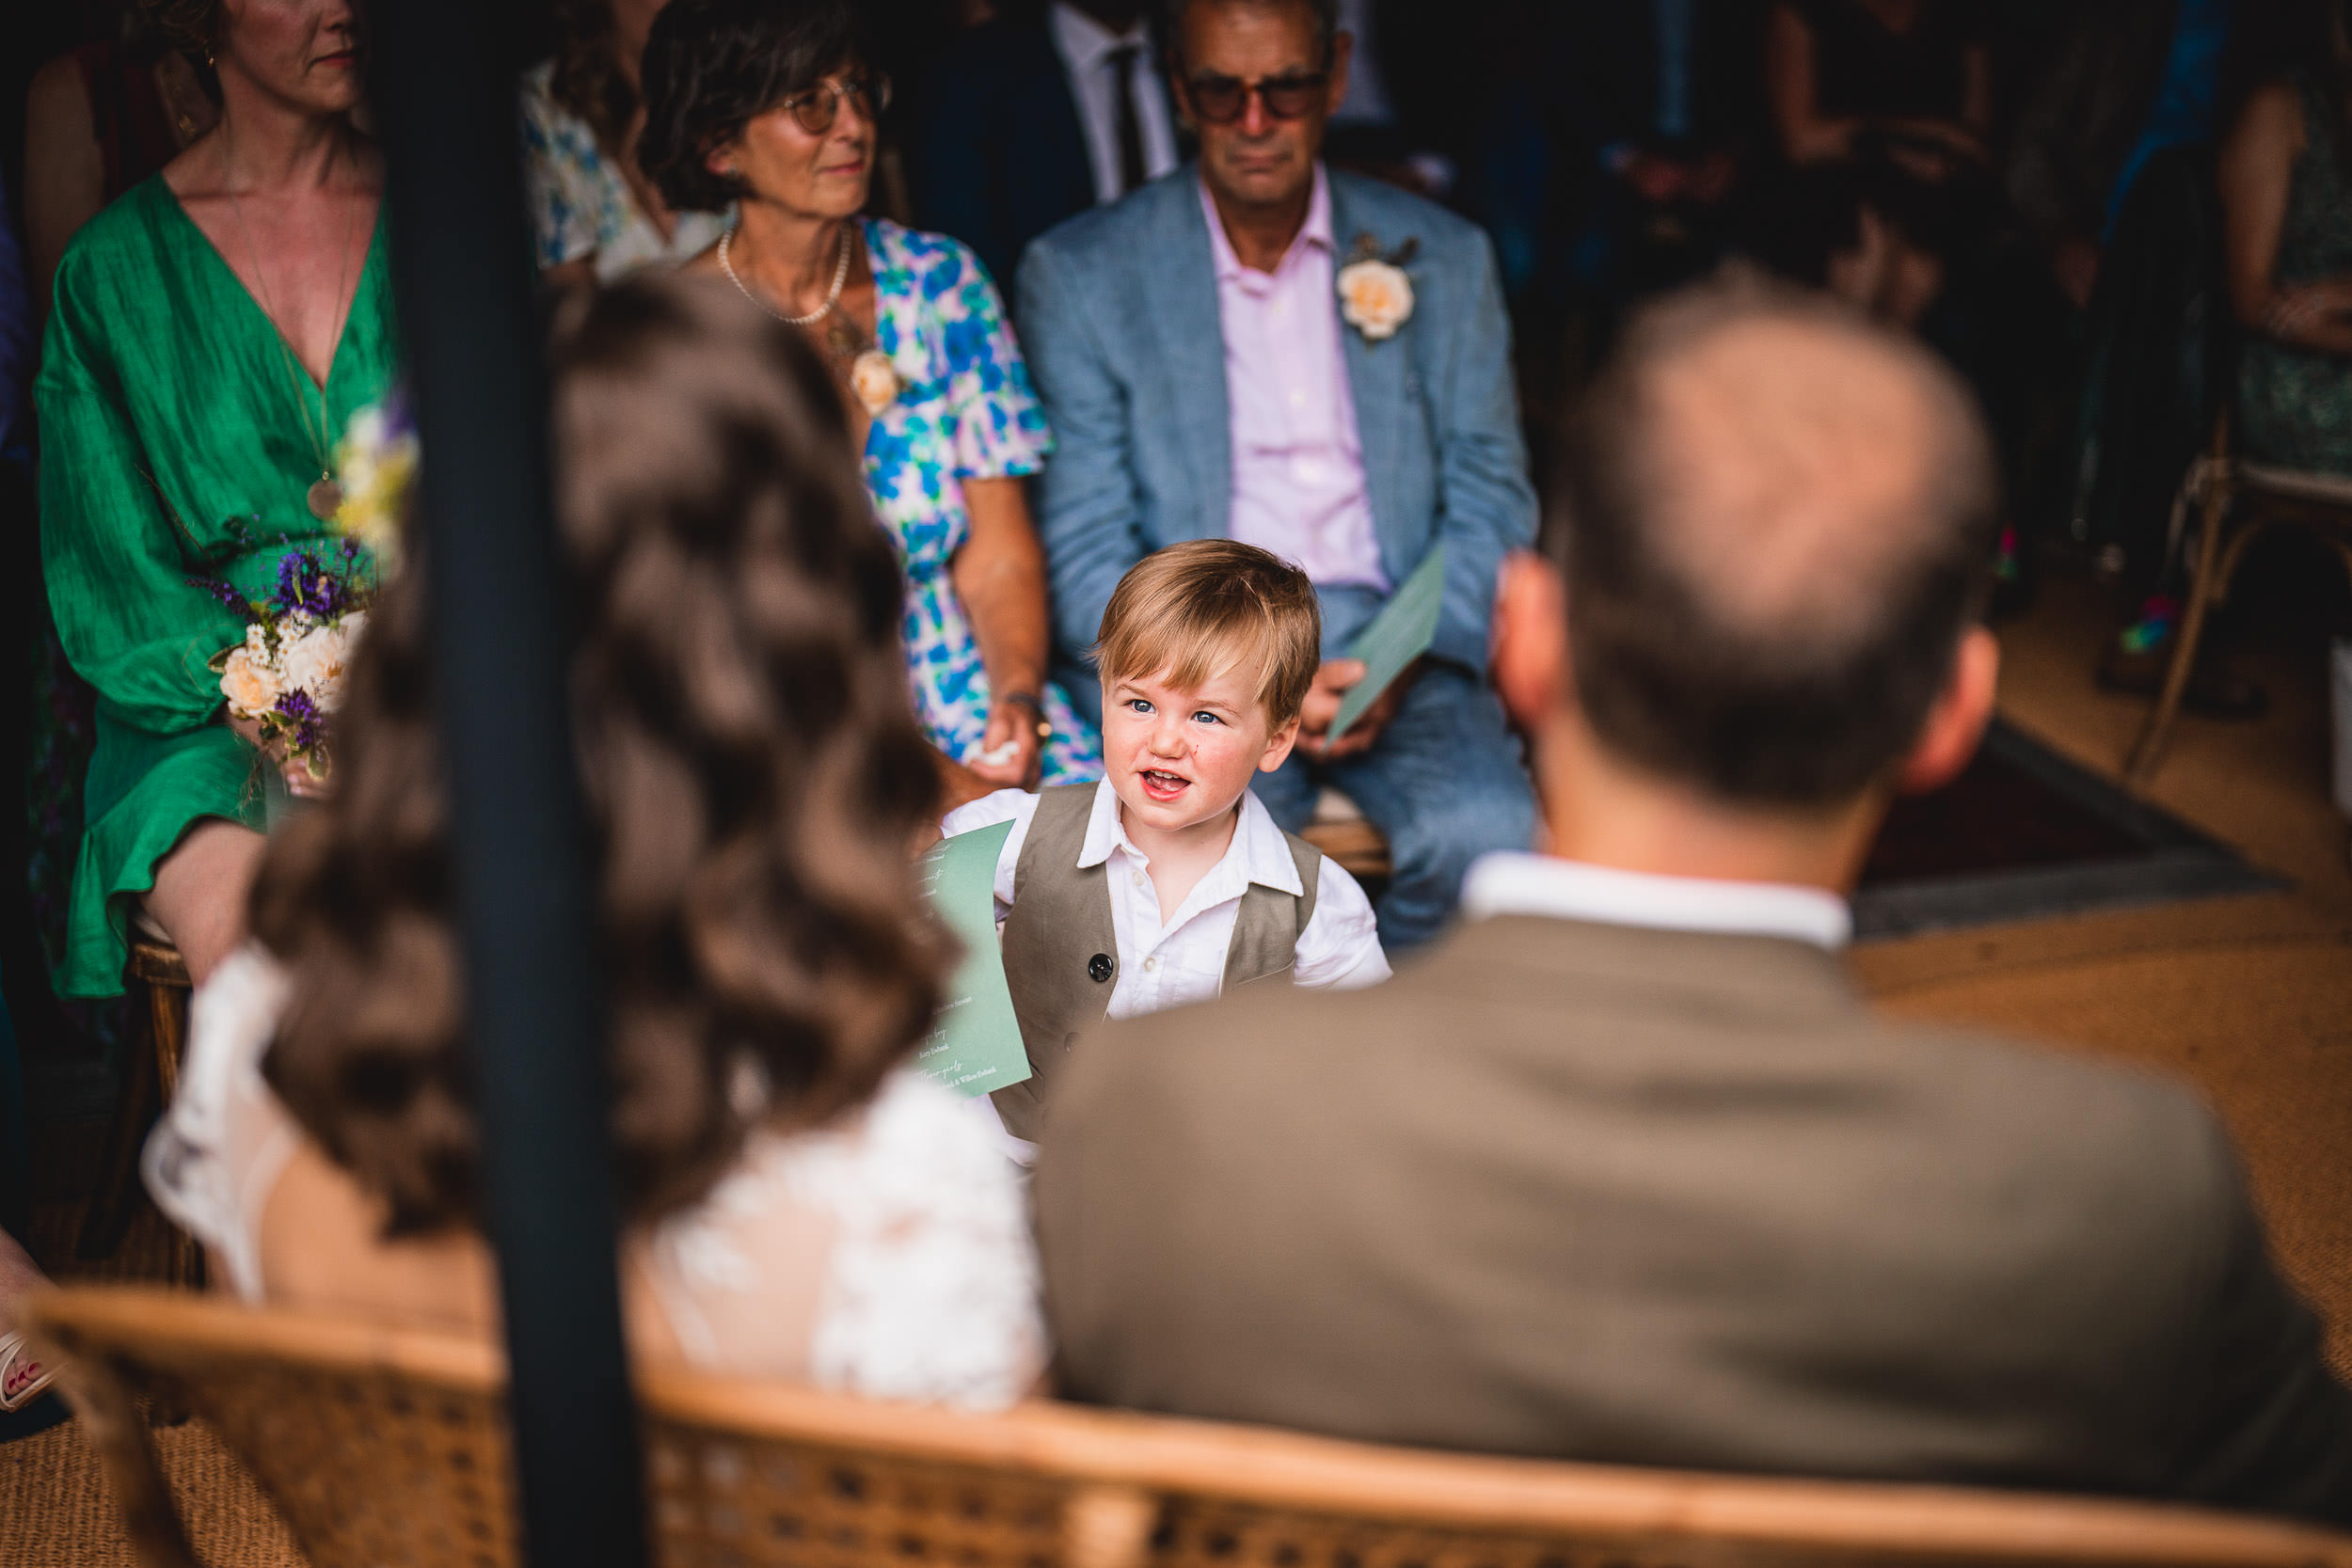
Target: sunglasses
[
  {"x": 814, "y": 109},
  {"x": 1222, "y": 100}
]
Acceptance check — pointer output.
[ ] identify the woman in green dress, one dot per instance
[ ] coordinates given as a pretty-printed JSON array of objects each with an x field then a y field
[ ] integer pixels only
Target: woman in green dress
[{"x": 211, "y": 332}]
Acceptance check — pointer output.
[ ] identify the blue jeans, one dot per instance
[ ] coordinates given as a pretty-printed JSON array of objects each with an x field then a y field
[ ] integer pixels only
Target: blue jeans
[{"x": 1444, "y": 784}]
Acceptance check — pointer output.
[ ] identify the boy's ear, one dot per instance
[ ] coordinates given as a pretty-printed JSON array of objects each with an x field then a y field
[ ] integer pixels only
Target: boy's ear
[{"x": 1278, "y": 746}]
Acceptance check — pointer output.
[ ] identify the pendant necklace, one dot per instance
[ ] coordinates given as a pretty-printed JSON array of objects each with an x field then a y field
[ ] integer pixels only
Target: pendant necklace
[
  {"x": 324, "y": 497},
  {"x": 866, "y": 371},
  {"x": 832, "y": 298}
]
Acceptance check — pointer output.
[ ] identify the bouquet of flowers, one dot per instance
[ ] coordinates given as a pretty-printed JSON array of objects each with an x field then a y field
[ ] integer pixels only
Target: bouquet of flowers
[{"x": 287, "y": 674}]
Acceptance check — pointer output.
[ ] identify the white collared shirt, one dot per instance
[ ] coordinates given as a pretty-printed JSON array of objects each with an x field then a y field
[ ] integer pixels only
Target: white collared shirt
[
  {"x": 1167, "y": 964},
  {"x": 1514, "y": 882},
  {"x": 1085, "y": 46}
]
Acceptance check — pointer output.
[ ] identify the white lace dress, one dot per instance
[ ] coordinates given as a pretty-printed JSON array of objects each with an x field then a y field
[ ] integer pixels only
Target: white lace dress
[{"x": 930, "y": 1283}]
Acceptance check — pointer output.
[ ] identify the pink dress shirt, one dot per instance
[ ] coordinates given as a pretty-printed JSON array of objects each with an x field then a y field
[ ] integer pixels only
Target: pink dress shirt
[{"x": 1299, "y": 465}]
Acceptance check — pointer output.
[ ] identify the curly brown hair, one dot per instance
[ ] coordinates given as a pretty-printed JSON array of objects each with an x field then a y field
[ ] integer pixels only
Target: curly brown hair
[
  {"x": 712, "y": 66},
  {"x": 752, "y": 766}
]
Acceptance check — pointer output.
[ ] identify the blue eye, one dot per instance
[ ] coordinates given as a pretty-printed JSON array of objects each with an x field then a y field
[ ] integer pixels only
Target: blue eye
[
  {"x": 1212, "y": 718},
  {"x": 1138, "y": 704}
]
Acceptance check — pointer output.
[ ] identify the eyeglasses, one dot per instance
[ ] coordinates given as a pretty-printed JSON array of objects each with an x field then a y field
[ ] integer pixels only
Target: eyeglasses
[
  {"x": 814, "y": 109},
  {"x": 1222, "y": 100}
]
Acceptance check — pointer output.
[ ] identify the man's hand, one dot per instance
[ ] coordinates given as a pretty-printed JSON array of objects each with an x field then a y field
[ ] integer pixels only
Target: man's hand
[{"x": 1332, "y": 682}]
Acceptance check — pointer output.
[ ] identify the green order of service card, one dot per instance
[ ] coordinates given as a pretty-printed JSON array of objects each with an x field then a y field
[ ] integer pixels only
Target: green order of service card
[
  {"x": 1400, "y": 633},
  {"x": 975, "y": 1040}
]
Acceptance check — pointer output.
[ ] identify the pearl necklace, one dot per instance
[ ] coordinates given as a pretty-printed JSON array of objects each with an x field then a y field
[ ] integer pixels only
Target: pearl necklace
[{"x": 840, "y": 276}]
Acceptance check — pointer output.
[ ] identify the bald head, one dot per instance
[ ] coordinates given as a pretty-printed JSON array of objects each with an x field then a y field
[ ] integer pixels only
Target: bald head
[{"x": 1777, "y": 523}]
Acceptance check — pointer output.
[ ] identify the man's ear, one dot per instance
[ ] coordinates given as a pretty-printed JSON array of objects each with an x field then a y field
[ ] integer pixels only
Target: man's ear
[
  {"x": 1956, "y": 722},
  {"x": 1278, "y": 746},
  {"x": 1528, "y": 656}
]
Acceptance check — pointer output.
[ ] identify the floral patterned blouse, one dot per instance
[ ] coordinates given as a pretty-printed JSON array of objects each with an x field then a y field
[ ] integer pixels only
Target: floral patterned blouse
[
  {"x": 581, "y": 204},
  {"x": 965, "y": 410}
]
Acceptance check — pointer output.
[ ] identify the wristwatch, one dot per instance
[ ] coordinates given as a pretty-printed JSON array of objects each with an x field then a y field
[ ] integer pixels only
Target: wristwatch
[{"x": 1028, "y": 700}]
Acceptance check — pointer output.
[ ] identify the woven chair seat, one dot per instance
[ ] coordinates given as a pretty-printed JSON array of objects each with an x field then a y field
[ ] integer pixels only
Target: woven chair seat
[{"x": 386, "y": 1447}]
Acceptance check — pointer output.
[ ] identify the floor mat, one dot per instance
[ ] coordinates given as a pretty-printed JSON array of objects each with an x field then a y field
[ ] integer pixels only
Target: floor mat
[{"x": 2025, "y": 835}]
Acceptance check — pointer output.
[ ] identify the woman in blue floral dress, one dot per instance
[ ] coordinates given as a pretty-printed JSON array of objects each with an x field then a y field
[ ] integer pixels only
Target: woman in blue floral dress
[{"x": 765, "y": 103}]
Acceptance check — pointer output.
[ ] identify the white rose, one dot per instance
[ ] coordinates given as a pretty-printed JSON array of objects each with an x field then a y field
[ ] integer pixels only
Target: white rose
[
  {"x": 317, "y": 660},
  {"x": 1375, "y": 298},
  {"x": 245, "y": 680},
  {"x": 875, "y": 381}
]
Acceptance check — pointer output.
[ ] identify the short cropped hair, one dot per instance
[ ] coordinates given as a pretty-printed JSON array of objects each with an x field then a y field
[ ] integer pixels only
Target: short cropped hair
[
  {"x": 1194, "y": 610},
  {"x": 751, "y": 768},
  {"x": 1172, "y": 13},
  {"x": 1732, "y": 625},
  {"x": 711, "y": 67}
]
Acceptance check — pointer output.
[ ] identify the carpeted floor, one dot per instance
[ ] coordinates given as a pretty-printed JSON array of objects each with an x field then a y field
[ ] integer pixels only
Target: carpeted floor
[
  {"x": 2249, "y": 998},
  {"x": 56, "y": 1513}
]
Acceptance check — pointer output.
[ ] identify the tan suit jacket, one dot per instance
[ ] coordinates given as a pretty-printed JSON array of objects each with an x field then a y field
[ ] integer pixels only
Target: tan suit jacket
[{"x": 1646, "y": 1196}]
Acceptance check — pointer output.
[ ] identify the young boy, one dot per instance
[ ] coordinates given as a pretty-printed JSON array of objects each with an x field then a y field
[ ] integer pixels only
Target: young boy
[{"x": 1168, "y": 883}]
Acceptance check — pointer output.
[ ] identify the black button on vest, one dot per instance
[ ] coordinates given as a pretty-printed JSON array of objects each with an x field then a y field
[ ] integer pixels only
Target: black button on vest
[{"x": 1099, "y": 966}]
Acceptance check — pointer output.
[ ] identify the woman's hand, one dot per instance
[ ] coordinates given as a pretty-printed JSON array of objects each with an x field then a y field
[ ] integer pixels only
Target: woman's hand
[
  {"x": 1011, "y": 751},
  {"x": 2302, "y": 313},
  {"x": 297, "y": 775}
]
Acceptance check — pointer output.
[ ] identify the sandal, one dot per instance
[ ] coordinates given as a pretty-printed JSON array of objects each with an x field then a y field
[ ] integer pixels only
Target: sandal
[{"x": 22, "y": 1378}]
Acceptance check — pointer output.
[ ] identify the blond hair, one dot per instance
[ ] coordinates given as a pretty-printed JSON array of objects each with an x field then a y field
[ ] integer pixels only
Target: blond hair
[{"x": 1195, "y": 610}]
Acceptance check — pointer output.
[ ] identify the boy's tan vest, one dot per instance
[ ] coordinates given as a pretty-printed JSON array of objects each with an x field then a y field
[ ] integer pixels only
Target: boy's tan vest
[{"x": 1061, "y": 956}]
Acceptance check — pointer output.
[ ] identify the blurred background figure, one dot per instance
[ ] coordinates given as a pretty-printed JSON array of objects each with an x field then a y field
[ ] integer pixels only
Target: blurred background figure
[
  {"x": 213, "y": 332},
  {"x": 594, "y": 215},
  {"x": 1664, "y": 109},
  {"x": 770, "y": 104},
  {"x": 2126, "y": 80},
  {"x": 100, "y": 120},
  {"x": 1037, "y": 116},
  {"x": 1890, "y": 100},
  {"x": 800, "y": 1202},
  {"x": 2283, "y": 181},
  {"x": 2285, "y": 173}
]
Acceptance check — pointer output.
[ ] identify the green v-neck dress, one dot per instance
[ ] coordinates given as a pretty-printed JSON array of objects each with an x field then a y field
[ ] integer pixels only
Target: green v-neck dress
[{"x": 169, "y": 413}]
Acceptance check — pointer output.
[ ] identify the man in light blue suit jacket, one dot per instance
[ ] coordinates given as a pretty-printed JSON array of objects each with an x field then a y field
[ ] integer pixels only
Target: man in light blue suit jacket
[{"x": 1147, "y": 328}]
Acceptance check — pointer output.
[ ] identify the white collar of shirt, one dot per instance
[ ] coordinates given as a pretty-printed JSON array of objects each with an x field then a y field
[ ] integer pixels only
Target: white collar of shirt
[
  {"x": 1259, "y": 853},
  {"x": 1316, "y": 231},
  {"x": 1520, "y": 883},
  {"x": 1084, "y": 42}
]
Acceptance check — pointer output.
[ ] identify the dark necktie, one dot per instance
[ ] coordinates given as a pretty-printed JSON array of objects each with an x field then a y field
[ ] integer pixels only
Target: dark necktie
[{"x": 1130, "y": 125}]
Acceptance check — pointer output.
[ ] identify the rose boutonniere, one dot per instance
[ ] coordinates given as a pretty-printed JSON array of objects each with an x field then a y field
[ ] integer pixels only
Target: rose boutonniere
[
  {"x": 875, "y": 380},
  {"x": 1376, "y": 292}
]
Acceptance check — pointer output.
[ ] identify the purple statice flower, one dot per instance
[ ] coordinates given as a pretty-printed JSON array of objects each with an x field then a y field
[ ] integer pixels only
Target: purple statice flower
[
  {"x": 226, "y": 593},
  {"x": 304, "y": 584},
  {"x": 310, "y": 724}
]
